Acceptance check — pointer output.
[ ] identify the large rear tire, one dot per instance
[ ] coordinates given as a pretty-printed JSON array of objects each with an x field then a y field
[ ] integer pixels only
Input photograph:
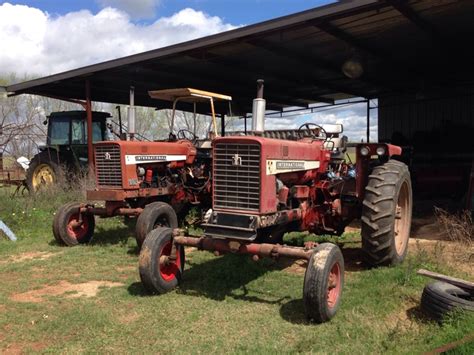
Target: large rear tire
[
  {"x": 66, "y": 227},
  {"x": 323, "y": 283},
  {"x": 43, "y": 171},
  {"x": 158, "y": 273},
  {"x": 156, "y": 214},
  {"x": 386, "y": 214}
]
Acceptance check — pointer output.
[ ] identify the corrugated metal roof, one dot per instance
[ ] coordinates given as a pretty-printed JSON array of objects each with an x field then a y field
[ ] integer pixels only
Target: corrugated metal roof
[{"x": 404, "y": 46}]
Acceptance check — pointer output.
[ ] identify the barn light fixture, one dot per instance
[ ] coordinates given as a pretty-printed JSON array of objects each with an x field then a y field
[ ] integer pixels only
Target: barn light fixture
[{"x": 353, "y": 68}]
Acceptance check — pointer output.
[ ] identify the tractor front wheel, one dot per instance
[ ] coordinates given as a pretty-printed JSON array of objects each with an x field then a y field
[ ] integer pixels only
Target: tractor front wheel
[
  {"x": 156, "y": 214},
  {"x": 72, "y": 228},
  {"x": 160, "y": 263},
  {"x": 323, "y": 283},
  {"x": 386, "y": 214}
]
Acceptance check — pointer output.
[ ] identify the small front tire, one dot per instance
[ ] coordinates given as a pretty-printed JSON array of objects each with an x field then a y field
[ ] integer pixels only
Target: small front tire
[
  {"x": 156, "y": 214},
  {"x": 67, "y": 229},
  {"x": 158, "y": 273},
  {"x": 323, "y": 283}
]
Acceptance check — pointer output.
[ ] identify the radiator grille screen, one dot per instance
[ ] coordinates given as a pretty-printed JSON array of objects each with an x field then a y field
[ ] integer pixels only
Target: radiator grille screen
[
  {"x": 108, "y": 165},
  {"x": 237, "y": 176}
]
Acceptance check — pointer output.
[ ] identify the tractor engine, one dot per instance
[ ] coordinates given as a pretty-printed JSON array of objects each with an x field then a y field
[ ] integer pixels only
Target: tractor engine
[
  {"x": 132, "y": 169},
  {"x": 260, "y": 183}
]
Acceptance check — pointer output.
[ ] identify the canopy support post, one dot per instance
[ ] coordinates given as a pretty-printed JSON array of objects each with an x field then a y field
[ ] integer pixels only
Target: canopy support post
[
  {"x": 222, "y": 125},
  {"x": 368, "y": 120},
  {"x": 88, "y": 106}
]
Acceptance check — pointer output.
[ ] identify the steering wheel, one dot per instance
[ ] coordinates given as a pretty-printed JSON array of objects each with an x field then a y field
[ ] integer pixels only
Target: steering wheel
[
  {"x": 185, "y": 134},
  {"x": 309, "y": 127}
]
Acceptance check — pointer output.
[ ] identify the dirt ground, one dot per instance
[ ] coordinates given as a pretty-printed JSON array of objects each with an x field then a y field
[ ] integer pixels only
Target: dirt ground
[
  {"x": 65, "y": 289},
  {"x": 427, "y": 236}
]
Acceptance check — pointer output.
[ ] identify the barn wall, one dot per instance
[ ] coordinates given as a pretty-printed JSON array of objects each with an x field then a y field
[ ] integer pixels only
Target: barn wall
[
  {"x": 436, "y": 130},
  {"x": 408, "y": 114}
]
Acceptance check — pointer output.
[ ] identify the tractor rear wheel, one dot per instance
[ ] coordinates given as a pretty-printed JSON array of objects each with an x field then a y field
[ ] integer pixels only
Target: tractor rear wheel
[
  {"x": 386, "y": 214},
  {"x": 67, "y": 228},
  {"x": 156, "y": 214},
  {"x": 158, "y": 272},
  {"x": 43, "y": 171},
  {"x": 323, "y": 283}
]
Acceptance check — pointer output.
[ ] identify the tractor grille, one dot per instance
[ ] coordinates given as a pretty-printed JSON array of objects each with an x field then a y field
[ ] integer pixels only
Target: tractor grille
[
  {"x": 108, "y": 165},
  {"x": 237, "y": 176}
]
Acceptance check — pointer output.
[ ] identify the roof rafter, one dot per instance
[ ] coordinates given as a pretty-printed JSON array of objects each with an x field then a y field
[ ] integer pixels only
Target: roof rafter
[{"x": 410, "y": 14}]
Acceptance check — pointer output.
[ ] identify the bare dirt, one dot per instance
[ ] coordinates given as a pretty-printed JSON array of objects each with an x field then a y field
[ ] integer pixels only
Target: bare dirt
[
  {"x": 427, "y": 228},
  {"x": 296, "y": 267},
  {"x": 64, "y": 288},
  {"x": 404, "y": 318},
  {"x": 35, "y": 255},
  {"x": 427, "y": 236},
  {"x": 19, "y": 348}
]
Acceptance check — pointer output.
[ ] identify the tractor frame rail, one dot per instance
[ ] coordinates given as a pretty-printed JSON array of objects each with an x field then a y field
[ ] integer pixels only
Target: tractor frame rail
[{"x": 223, "y": 246}]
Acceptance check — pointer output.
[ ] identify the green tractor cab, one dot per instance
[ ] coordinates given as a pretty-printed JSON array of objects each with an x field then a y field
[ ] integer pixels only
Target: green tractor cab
[{"x": 66, "y": 147}]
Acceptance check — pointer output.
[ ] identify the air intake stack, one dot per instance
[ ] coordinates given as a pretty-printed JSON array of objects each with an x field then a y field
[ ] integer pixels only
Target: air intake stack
[
  {"x": 131, "y": 114},
  {"x": 258, "y": 110}
]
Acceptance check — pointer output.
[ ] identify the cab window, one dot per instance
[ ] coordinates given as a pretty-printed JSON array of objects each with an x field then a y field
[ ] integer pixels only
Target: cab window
[
  {"x": 77, "y": 132},
  {"x": 59, "y": 131}
]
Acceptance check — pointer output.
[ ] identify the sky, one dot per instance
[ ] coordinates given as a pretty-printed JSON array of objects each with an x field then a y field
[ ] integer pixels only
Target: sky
[{"x": 43, "y": 37}]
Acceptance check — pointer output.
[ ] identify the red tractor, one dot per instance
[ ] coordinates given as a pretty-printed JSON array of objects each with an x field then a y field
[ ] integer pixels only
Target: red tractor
[
  {"x": 263, "y": 187},
  {"x": 150, "y": 180}
]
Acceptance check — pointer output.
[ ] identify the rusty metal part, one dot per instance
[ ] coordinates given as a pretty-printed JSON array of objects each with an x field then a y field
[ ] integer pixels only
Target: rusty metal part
[
  {"x": 280, "y": 217},
  {"x": 104, "y": 212},
  {"x": 310, "y": 245},
  {"x": 76, "y": 223},
  {"x": 261, "y": 250},
  {"x": 121, "y": 195}
]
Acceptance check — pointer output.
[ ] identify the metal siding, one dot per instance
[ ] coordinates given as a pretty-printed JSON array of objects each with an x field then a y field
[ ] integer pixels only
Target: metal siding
[{"x": 404, "y": 114}]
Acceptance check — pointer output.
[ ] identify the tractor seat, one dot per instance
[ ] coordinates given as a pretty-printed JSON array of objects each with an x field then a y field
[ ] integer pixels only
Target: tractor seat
[
  {"x": 204, "y": 144},
  {"x": 337, "y": 146}
]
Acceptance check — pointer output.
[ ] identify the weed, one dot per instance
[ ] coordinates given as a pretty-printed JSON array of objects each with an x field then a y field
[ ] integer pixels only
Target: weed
[{"x": 458, "y": 227}]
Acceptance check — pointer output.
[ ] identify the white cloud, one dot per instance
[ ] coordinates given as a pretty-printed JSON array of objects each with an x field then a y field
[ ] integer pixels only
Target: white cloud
[
  {"x": 138, "y": 9},
  {"x": 36, "y": 43}
]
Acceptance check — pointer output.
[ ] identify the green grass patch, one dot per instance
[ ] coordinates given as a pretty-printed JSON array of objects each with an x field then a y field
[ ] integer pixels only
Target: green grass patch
[{"x": 225, "y": 304}]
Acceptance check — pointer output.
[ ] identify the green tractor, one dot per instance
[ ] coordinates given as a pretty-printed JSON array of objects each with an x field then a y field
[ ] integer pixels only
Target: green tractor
[{"x": 66, "y": 147}]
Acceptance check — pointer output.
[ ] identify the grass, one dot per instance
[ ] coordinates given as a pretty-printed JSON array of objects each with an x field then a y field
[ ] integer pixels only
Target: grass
[{"x": 225, "y": 304}]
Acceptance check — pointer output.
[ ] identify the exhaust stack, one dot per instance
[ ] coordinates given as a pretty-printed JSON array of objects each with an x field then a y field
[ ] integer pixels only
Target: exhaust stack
[
  {"x": 258, "y": 110},
  {"x": 131, "y": 113}
]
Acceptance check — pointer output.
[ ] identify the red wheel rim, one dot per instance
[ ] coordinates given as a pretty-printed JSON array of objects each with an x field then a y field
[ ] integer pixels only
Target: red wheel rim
[
  {"x": 169, "y": 271},
  {"x": 77, "y": 231},
  {"x": 334, "y": 285}
]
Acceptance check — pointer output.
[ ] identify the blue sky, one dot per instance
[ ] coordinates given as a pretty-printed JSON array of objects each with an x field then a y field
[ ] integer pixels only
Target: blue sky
[{"x": 233, "y": 11}]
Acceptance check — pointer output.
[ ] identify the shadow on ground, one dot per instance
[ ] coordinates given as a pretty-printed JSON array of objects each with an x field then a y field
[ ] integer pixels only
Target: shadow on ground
[
  {"x": 107, "y": 236},
  {"x": 229, "y": 276}
]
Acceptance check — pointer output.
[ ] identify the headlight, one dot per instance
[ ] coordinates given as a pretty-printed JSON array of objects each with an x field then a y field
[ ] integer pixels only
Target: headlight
[
  {"x": 364, "y": 151},
  {"x": 380, "y": 150}
]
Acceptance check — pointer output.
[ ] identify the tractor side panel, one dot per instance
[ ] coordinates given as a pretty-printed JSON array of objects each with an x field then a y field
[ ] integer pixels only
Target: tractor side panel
[{"x": 116, "y": 162}]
